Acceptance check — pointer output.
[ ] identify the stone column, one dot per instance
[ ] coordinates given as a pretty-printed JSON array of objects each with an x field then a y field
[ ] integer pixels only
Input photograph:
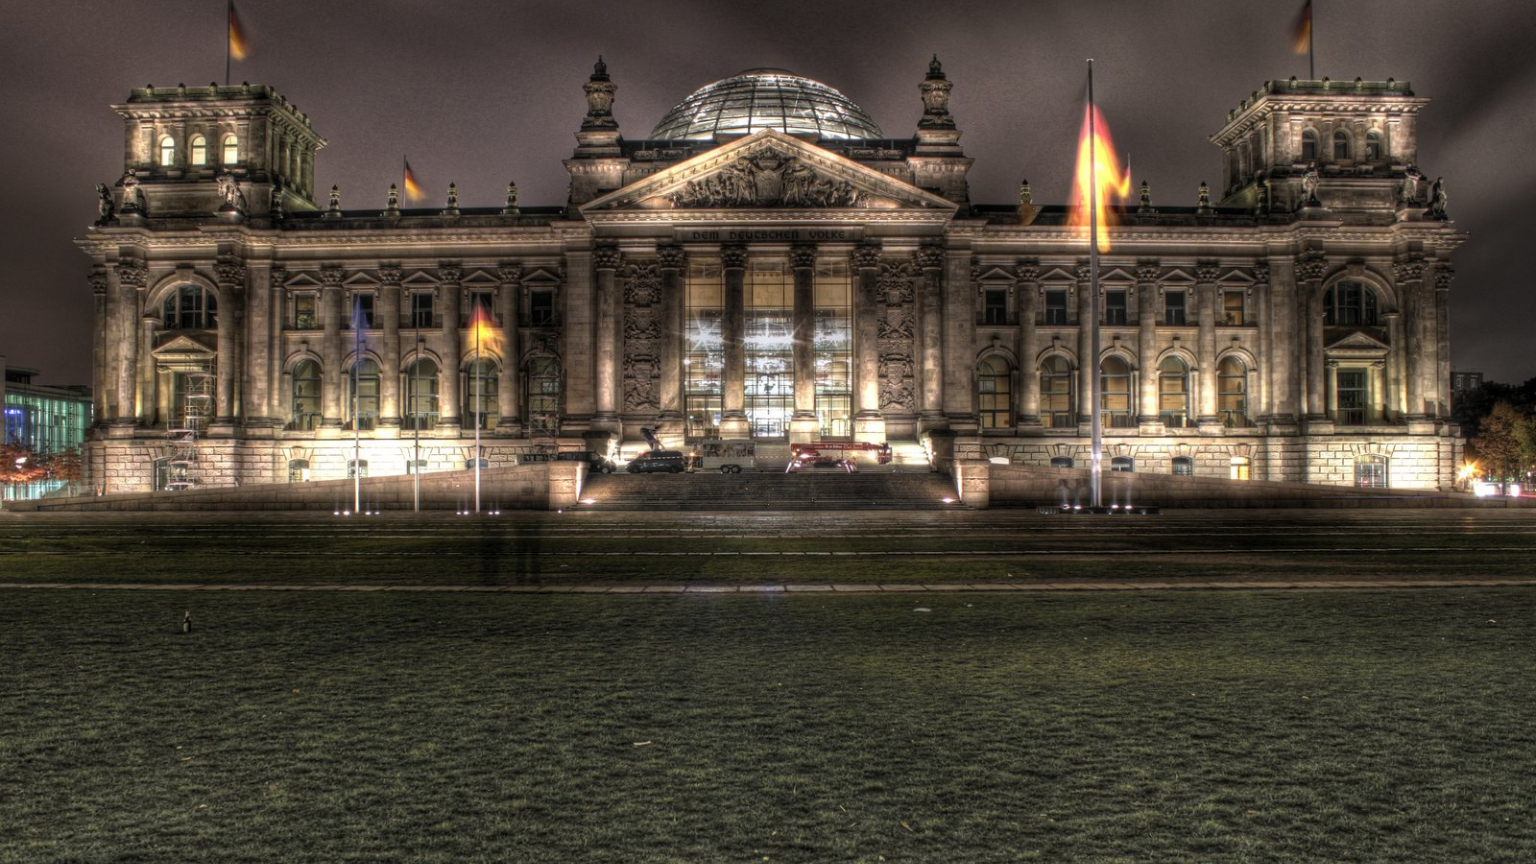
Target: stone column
[
  {"x": 330, "y": 351},
  {"x": 130, "y": 280},
  {"x": 930, "y": 338},
  {"x": 231, "y": 297},
  {"x": 389, "y": 376},
  {"x": 803, "y": 425},
  {"x": 1310, "y": 272},
  {"x": 1029, "y": 374},
  {"x": 1440, "y": 392},
  {"x": 1397, "y": 384},
  {"x": 147, "y": 400},
  {"x": 450, "y": 299},
  {"x": 1410, "y": 286},
  {"x": 255, "y": 378},
  {"x": 868, "y": 423},
  {"x": 278, "y": 396},
  {"x": 959, "y": 328},
  {"x": 1378, "y": 404},
  {"x": 605, "y": 349},
  {"x": 670, "y": 261},
  {"x": 1264, "y": 408},
  {"x": 98, "y": 280},
  {"x": 733, "y": 324},
  {"x": 1151, "y": 421},
  {"x": 1284, "y": 344},
  {"x": 1088, "y": 365},
  {"x": 509, "y": 398},
  {"x": 1205, "y": 292}
]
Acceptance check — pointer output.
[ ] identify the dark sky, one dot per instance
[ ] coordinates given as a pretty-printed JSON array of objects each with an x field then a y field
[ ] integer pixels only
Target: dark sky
[{"x": 482, "y": 92}]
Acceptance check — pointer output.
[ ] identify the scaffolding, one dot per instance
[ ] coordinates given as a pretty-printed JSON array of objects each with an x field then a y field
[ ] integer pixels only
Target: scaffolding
[{"x": 187, "y": 427}]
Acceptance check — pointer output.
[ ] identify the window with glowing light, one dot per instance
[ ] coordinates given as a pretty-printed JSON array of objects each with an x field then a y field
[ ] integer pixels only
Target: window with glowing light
[
  {"x": 362, "y": 406},
  {"x": 769, "y": 338},
  {"x": 481, "y": 384},
  {"x": 1239, "y": 467},
  {"x": 1232, "y": 392},
  {"x": 1173, "y": 392},
  {"x": 420, "y": 395},
  {"x": 231, "y": 150},
  {"x": 994, "y": 394},
  {"x": 1056, "y": 381},
  {"x": 1232, "y": 308},
  {"x": 541, "y": 395},
  {"x": 305, "y": 314},
  {"x": 704, "y": 359},
  {"x": 189, "y": 307},
  {"x": 198, "y": 150},
  {"x": 298, "y": 470},
  {"x": 1115, "y": 393},
  {"x": 167, "y": 151},
  {"x": 1371, "y": 471},
  {"x": 832, "y": 350}
]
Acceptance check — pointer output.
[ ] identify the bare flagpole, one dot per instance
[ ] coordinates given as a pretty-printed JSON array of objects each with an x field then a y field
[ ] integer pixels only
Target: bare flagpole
[
  {"x": 479, "y": 323},
  {"x": 1096, "y": 387},
  {"x": 357, "y": 439}
]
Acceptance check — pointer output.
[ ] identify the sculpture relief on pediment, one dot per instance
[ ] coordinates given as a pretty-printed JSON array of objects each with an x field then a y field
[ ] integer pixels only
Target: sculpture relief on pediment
[{"x": 767, "y": 178}]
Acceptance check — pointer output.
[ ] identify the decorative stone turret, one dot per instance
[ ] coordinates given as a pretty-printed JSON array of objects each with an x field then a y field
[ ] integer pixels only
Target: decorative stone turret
[
  {"x": 939, "y": 163},
  {"x": 598, "y": 164}
]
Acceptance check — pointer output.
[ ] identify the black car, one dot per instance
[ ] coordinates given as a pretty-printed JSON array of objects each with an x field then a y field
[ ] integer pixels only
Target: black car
[
  {"x": 596, "y": 462},
  {"x": 667, "y": 461}
]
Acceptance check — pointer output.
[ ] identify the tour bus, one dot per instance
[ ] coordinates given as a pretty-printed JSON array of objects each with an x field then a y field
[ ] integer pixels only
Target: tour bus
[{"x": 726, "y": 456}]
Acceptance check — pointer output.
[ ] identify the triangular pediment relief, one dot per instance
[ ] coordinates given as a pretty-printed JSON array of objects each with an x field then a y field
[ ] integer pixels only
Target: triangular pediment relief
[
  {"x": 419, "y": 279},
  {"x": 1235, "y": 276},
  {"x": 768, "y": 170},
  {"x": 361, "y": 279},
  {"x": 995, "y": 274},
  {"x": 1057, "y": 274},
  {"x": 541, "y": 276},
  {"x": 1358, "y": 344},
  {"x": 302, "y": 280},
  {"x": 1117, "y": 275},
  {"x": 480, "y": 277},
  {"x": 1177, "y": 276},
  {"x": 182, "y": 347}
]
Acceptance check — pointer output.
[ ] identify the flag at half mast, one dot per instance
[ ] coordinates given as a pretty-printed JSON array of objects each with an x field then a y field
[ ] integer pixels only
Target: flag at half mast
[{"x": 413, "y": 190}]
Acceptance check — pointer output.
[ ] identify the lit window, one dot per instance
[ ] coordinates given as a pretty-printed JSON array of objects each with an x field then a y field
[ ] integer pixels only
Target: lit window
[
  {"x": 304, "y": 316},
  {"x": 1239, "y": 467},
  {"x": 481, "y": 384},
  {"x": 1232, "y": 308},
  {"x": 199, "y": 150},
  {"x": 167, "y": 151},
  {"x": 1371, "y": 472},
  {"x": 298, "y": 470},
  {"x": 231, "y": 150},
  {"x": 1056, "y": 393},
  {"x": 357, "y": 468},
  {"x": 189, "y": 307},
  {"x": 994, "y": 393},
  {"x": 1115, "y": 393},
  {"x": 1173, "y": 392},
  {"x": 1123, "y": 464},
  {"x": 1183, "y": 466},
  {"x": 1232, "y": 392}
]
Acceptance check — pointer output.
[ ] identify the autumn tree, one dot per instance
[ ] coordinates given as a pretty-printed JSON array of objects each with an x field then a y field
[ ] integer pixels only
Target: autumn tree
[
  {"x": 1497, "y": 445},
  {"x": 18, "y": 464}
]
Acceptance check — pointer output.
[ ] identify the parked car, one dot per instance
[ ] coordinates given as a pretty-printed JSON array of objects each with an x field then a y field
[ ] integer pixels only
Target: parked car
[
  {"x": 666, "y": 461},
  {"x": 597, "y": 463},
  {"x": 816, "y": 462},
  {"x": 528, "y": 458}
]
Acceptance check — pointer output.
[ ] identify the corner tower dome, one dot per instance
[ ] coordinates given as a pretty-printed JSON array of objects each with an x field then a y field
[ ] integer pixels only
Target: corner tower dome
[{"x": 765, "y": 99}]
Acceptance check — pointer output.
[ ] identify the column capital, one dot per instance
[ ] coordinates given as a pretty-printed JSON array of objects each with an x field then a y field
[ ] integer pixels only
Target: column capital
[
  {"x": 733, "y": 257},
  {"x": 331, "y": 276},
  {"x": 671, "y": 257},
  {"x": 98, "y": 280},
  {"x": 449, "y": 273},
  {"x": 230, "y": 273},
  {"x": 1312, "y": 267},
  {"x": 1207, "y": 272},
  {"x": 509, "y": 272},
  {"x": 1261, "y": 272},
  {"x": 802, "y": 256},
  {"x": 866, "y": 256},
  {"x": 390, "y": 274},
  {"x": 131, "y": 273},
  {"x": 278, "y": 274},
  {"x": 1147, "y": 272},
  {"x": 607, "y": 258},
  {"x": 928, "y": 258},
  {"x": 1410, "y": 270},
  {"x": 1443, "y": 276},
  {"x": 1028, "y": 270},
  {"x": 1083, "y": 272}
]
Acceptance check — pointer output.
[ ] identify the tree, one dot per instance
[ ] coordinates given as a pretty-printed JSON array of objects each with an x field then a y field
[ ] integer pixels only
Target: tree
[
  {"x": 65, "y": 465},
  {"x": 1497, "y": 446},
  {"x": 18, "y": 464}
]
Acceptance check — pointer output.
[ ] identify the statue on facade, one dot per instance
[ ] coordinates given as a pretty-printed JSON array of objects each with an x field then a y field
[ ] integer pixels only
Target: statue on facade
[
  {"x": 1261, "y": 202},
  {"x": 511, "y": 207},
  {"x": 133, "y": 196},
  {"x": 275, "y": 202},
  {"x": 1309, "y": 183},
  {"x": 229, "y": 190},
  {"x": 1411, "y": 180},
  {"x": 1437, "y": 198},
  {"x": 104, "y": 207}
]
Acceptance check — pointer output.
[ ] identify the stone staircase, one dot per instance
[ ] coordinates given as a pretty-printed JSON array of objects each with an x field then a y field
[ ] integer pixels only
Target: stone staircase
[{"x": 876, "y": 489}]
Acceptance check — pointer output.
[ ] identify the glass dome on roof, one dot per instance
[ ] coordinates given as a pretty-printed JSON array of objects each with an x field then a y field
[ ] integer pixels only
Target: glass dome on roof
[{"x": 765, "y": 99}]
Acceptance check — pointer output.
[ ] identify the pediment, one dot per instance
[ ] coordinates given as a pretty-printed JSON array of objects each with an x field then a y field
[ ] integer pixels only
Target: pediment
[
  {"x": 361, "y": 279},
  {"x": 301, "y": 281},
  {"x": 995, "y": 274},
  {"x": 480, "y": 278},
  {"x": 1177, "y": 276},
  {"x": 767, "y": 170},
  {"x": 1358, "y": 344},
  {"x": 183, "y": 347},
  {"x": 1058, "y": 274},
  {"x": 419, "y": 279}
]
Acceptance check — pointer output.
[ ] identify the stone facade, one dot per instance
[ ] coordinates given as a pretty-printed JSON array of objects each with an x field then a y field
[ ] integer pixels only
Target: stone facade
[{"x": 771, "y": 283}]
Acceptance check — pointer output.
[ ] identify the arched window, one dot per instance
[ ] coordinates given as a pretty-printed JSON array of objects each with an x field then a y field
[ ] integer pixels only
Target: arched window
[
  {"x": 542, "y": 395},
  {"x": 1239, "y": 467},
  {"x": 1124, "y": 464},
  {"x": 189, "y": 307},
  {"x": 1371, "y": 471},
  {"x": 1056, "y": 393},
  {"x": 1373, "y": 148},
  {"x": 1061, "y": 461},
  {"x": 1309, "y": 145},
  {"x": 198, "y": 150},
  {"x": 363, "y": 396},
  {"x": 1115, "y": 393},
  {"x": 167, "y": 151},
  {"x": 481, "y": 381},
  {"x": 420, "y": 395},
  {"x": 1173, "y": 392},
  {"x": 1341, "y": 144},
  {"x": 994, "y": 393},
  {"x": 1183, "y": 466},
  {"x": 305, "y": 396},
  {"x": 1350, "y": 304},
  {"x": 231, "y": 150},
  {"x": 1232, "y": 392}
]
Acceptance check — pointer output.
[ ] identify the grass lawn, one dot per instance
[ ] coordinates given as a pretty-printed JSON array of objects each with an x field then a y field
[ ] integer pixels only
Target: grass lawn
[{"x": 1188, "y": 726}]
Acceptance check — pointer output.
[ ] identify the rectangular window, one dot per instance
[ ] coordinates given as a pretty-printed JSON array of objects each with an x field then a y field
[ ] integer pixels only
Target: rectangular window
[
  {"x": 362, "y": 312},
  {"x": 994, "y": 307},
  {"x": 1232, "y": 308},
  {"x": 304, "y": 315},
  {"x": 421, "y": 310},
  {"x": 1173, "y": 309},
  {"x": 541, "y": 309},
  {"x": 1353, "y": 397},
  {"x": 704, "y": 362},
  {"x": 481, "y": 302},
  {"x": 1056, "y": 306},
  {"x": 832, "y": 350},
  {"x": 1114, "y": 307}
]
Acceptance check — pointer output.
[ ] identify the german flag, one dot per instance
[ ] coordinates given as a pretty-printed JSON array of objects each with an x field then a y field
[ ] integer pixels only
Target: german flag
[
  {"x": 238, "y": 47},
  {"x": 1302, "y": 36},
  {"x": 412, "y": 188}
]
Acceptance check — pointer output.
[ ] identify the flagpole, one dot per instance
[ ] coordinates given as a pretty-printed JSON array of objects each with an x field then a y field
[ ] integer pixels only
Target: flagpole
[
  {"x": 479, "y": 323},
  {"x": 1097, "y": 425},
  {"x": 357, "y": 438}
]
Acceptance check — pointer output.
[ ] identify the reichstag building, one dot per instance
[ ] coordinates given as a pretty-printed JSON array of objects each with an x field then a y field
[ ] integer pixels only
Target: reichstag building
[{"x": 769, "y": 262}]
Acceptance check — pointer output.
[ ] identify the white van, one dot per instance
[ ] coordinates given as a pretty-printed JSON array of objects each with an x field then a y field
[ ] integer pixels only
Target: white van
[{"x": 726, "y": 456}]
